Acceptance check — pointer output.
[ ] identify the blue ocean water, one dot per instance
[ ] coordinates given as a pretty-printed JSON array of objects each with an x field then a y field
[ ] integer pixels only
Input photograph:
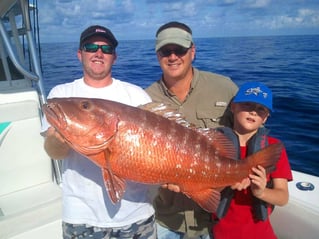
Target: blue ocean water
[{"x": 289, "y": 65}]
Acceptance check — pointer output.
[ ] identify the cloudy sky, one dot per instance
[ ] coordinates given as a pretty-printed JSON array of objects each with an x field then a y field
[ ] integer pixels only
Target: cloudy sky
[{"x": 64, "y": 20}]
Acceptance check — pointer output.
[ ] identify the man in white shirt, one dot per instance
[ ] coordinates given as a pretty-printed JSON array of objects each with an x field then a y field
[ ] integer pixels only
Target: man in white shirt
[{"x": 87, "y": 210}]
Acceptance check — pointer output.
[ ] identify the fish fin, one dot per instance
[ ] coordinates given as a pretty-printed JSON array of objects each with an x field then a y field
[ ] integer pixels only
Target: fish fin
[
  {"x": 167, "y": 111},
  {"x": 158, "y": 108},
  {"x": 99, "y": 159},
  {"x": 267, "y": 157},
  {"x": 114, "y": 185},
  {"x": 223, "y": 145},
  {"x": 207, "y": 199}
]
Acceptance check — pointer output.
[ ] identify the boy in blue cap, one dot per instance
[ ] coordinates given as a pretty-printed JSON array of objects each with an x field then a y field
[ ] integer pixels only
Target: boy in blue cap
[{"x": 248, "y": 210}]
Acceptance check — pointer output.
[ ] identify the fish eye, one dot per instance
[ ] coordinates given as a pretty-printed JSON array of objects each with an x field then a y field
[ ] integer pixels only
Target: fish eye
[{"x": 85, "y": 105}]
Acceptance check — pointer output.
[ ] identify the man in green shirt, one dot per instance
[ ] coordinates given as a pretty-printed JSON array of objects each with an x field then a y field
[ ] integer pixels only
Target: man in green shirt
[{"x": 203, "y": 98}]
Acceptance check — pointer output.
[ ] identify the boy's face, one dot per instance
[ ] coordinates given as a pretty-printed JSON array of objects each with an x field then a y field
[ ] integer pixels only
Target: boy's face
[
  {"x": 248, "y": 115},
  {"x": 261, "y": 110}
]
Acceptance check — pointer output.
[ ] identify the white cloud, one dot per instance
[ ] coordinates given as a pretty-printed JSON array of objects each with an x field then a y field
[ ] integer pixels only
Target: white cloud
[
  {"x": 258, "y": 3},
  {"x": 304, "y": 18},
  {"x": 139, "y": 19}
]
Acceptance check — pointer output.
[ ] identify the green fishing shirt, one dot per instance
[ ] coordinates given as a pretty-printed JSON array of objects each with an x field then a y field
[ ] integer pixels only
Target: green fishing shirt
[{"x": 206, "y": 106}]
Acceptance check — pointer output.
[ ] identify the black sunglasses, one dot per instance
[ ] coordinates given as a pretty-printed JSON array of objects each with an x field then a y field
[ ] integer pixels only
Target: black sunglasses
[
  {"x": 259, "y": 109},
  {"x": 178, "y": 51},
  {"x": 91, "y": 47}
]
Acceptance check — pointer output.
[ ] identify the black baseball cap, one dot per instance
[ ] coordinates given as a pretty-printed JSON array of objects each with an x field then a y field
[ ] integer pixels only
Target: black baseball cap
[{"x": 97, "y": 30}]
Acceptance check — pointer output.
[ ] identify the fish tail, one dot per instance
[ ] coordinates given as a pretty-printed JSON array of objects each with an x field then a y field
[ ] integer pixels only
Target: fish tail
[{"x": 267, "y": 157}]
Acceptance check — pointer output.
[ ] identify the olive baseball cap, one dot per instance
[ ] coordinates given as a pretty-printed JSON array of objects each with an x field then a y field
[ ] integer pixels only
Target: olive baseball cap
[{"x": 174, "y": 33}]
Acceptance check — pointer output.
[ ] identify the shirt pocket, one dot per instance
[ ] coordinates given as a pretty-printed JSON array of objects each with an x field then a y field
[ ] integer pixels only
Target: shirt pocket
[{"x": 210, "y": 116}]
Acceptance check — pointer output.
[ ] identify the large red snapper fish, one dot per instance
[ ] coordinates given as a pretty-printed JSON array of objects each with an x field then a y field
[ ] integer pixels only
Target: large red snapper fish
[{"x": 152, "y": 145}]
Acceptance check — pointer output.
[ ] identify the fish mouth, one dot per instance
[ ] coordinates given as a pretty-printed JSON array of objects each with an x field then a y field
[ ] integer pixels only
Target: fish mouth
[{"x": 55, "y": 116}]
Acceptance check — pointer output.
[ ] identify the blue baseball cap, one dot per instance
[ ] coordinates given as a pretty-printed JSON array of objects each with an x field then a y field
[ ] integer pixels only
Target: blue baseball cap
[{"x": 254, "y": 92}]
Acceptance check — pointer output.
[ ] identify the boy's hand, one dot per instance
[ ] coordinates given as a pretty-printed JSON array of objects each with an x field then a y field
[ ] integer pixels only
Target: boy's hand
[
  {"x": 258, "y": 181},
  {"x": 241, "y": 185}
]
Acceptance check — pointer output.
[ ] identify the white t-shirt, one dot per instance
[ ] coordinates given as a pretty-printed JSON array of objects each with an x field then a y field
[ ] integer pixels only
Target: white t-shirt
[{"x": 85, "y": 199}]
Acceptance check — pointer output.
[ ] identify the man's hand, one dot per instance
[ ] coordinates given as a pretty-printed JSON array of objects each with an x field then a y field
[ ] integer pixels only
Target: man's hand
[
  {"x": 55, "y": 145},
  {"x": 52, "y": 133},
  {"x": 172, "y": 187}
]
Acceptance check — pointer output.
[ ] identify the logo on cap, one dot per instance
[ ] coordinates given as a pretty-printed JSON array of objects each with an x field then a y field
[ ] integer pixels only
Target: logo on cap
[
  {"x": 99, "y": 30},
  {"x": 256, "y": 91}
]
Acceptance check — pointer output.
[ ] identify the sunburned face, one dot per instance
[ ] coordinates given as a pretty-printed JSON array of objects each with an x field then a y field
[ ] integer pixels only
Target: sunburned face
[
  {"x": 97, "y": 64},
  {"x": 176, "y": 61}
]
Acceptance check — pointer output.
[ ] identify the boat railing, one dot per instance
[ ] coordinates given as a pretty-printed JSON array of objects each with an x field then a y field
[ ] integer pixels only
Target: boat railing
[
  {"x": 19, "y": 54},
  {"x": 30, "y": 179}
]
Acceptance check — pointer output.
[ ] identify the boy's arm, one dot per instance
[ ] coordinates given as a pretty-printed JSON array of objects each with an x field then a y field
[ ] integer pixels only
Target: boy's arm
[{"x": 278, "y": 195}]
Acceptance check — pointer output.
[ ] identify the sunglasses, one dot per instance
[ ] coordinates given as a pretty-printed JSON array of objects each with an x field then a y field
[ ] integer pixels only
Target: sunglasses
[
  {"x": 91, "y": 47},
  {"x": 178, "y": 51},
  {"x": 259, "y": 109}
]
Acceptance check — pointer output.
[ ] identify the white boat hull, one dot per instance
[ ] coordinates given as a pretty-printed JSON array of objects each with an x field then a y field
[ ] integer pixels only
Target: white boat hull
[{"x": 299, "y": 219}]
